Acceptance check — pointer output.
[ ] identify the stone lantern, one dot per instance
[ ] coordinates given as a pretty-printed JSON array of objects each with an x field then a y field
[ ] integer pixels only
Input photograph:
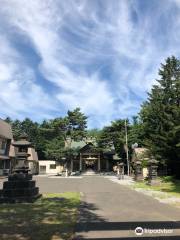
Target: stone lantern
[
  {"x": 138, "y": 171},
  {"x": 152, "y": 171},
  {"x": 20, "y": 187},
  {"x": 65, "y": 170},
  {"x": 120, "y": 170},
  {"x": 21, "y": 153}
]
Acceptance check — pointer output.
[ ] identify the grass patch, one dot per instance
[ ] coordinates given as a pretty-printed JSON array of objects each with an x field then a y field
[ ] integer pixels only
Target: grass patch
[
  {"x": 172, "y": 187},
  {"x": 52, "y": 217}
]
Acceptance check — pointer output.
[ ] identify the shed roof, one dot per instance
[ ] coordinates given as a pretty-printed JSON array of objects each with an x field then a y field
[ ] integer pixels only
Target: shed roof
[{"x": 5, "y": 129}]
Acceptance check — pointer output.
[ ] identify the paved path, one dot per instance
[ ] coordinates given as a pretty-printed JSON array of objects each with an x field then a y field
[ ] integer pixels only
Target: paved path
[{"x": 112, "y": 211}]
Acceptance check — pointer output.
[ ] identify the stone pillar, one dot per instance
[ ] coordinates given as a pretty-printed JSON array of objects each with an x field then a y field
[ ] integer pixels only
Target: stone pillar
[
  {"x": 152, "y": 175},
  {"x": 71, "y": 165},
  {"x": 107, "y": 165},
  {"x": 99, "y": 163},
  {"x": 121, "y": 170},
  {"x": 66, "y": 174},
  {"x": 80, "y": 163},
  {"x": 138, "y": 171}
]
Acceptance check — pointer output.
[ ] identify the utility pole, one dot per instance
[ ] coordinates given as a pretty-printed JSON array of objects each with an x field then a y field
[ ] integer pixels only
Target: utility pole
[{"x": 127, "y": 152}]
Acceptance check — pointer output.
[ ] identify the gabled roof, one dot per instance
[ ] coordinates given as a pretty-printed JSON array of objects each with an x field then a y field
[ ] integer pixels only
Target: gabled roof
[
  {"x": 78, "y": 144},
  {"x": 5, "y": 130},
  {"x": 89, "y": 147}
]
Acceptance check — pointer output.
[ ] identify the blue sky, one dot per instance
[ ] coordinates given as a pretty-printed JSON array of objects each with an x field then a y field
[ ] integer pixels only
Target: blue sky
[{"x": 102, "y": 56}]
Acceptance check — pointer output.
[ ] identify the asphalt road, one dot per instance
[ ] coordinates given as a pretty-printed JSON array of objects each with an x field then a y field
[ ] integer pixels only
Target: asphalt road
[{"x": 112, "y": 211}]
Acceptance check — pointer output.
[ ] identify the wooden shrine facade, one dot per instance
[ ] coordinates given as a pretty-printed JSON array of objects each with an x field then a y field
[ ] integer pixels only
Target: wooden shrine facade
[{"x": 91, "y": 158}]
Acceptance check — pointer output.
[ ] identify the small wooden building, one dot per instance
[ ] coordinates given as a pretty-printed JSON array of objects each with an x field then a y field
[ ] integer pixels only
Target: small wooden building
[
  {"x": 8, "y": 151},
  {"x": 5, "y": 143}
]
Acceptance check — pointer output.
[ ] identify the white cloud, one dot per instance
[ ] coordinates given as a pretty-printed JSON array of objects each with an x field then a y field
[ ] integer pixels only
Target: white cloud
[
  {"x": 20, "y": 95},
  {"x": 75, "y": 41},
  {"x": 89, "y": 92}
]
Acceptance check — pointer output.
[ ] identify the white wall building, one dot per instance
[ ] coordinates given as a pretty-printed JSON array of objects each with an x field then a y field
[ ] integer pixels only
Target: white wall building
[{"x": 49, "y": 167}]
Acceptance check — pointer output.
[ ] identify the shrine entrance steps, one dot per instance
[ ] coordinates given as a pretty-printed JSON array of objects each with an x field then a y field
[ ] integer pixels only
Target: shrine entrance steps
[{"x": 89, "y": 172}]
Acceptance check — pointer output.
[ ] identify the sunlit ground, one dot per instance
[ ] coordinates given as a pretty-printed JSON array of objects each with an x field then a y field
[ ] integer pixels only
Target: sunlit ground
[
  {"x": 172, "y": 187},
  {"x": 52, "y": 217},
  {"x": 168, "y": 190}
]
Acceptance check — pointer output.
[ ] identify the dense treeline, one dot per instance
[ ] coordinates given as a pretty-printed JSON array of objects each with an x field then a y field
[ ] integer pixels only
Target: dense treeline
[
  {"x": 49, "y": 136},
  {"x": 156, "y": 127}
]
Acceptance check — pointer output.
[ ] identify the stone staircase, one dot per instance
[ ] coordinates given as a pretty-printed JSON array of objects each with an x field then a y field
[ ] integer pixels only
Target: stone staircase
[{"x": 89, "y": 172}]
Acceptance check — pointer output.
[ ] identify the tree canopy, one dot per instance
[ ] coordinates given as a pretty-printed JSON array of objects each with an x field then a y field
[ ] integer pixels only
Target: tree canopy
[
  {"x": 49, "y": 137},
  {"x": 160, "y": 115}
]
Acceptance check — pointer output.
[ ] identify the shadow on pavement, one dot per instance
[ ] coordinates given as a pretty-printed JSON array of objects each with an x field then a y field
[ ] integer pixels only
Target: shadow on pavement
[{"x": 89, "y": 221}]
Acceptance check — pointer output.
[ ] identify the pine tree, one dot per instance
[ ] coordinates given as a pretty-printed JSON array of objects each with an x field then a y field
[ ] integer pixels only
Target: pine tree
[
  {"x": 160, "y": 115},
  {"x": 115, "y": 133}
]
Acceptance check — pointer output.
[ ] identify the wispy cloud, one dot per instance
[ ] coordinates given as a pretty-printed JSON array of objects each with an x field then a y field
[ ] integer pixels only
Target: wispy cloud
[
  {"x": 100, "y": 55},
  {"x": 20, "y": 95}
]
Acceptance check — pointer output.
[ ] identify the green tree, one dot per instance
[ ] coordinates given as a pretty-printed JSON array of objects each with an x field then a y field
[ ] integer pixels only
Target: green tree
[
  {"x": 135, "y": 132},
  {"x": 114, "y": 134},
  {"x": 58, "y": 130},
  {"x": 16, "y": 129},
  {"x": 8, "y": 120},
  {"x": 77, "y": 124},
  {"x": 54, "y": 149},
  {"x": 73, "y": 125},
  {"x": 95, "y": 133},
  {"x": 160, "y": 115},
  {"x": 50, "y": 136},
  {"x": 30, "y": 128}
]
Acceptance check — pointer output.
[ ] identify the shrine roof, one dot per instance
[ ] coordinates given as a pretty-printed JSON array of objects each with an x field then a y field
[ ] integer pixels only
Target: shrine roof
[
  {"x": 89, "y": 144},
  {"x": 78, "y": 144}
]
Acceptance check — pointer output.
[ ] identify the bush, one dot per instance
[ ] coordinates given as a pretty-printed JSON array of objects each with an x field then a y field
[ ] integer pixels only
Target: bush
[
  {"x": 168, "y": 178},
  {"x": 144, "y": 163}
]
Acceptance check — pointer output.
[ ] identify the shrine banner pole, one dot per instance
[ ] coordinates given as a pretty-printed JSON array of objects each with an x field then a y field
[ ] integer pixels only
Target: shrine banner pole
[
  {"x": 127, "y": 151},
  {"x": 80, "y": 164}
]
